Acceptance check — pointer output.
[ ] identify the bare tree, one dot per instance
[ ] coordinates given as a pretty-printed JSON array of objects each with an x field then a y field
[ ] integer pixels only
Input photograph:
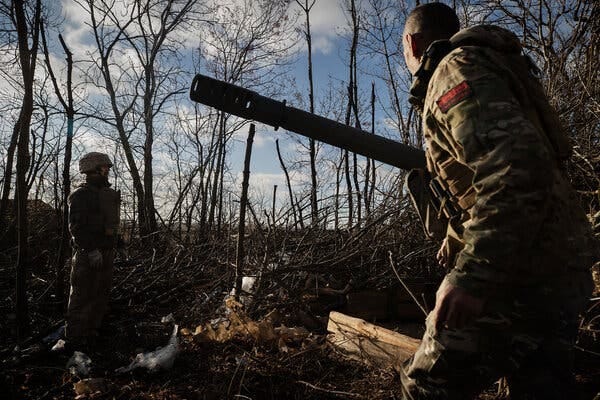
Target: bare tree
[
  {"x": 352, "y": 114},
  {"x": 289, "y": 187},
  {"x": 249, "y": 43},
  {"x": 563, "y": 38},
  {"x": 27, "y": 31},
  {"x": 370, "y": 169},
  {"x": 9, "y": 37},
  {"x": 306, "y": 7},
  {"x": 382, "y": 28},
  {"x": 240, "y": 252},
  {"x": 69, "y": 111},
  {"x": 147, "y": 29}
]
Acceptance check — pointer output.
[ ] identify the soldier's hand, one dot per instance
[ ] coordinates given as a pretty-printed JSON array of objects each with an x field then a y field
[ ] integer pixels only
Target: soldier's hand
[
  {"x": 442, "y": 254},
  {"x": 95, "y": 257},
  {"x": 454, "y": 307}
]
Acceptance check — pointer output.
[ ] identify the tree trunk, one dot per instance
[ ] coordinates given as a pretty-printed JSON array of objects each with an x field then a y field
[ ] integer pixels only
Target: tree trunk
[
  {"x": 214, "y": 197},
  {"x": 65, "y": 236},
  {"x": 349, "y": 189},
  {"x": 338, "y": 183},
  {"x": 312, "y": 150},
  {"x": 366, "y": 190},
  {"x": 353, "y": 99},
  {"x": 150, "y": 217},
  {"x": 27, "y": 58},
  {"x": 10, "y": 156},
  {"x": 289, "y": 185},
  {"x": 239, "y": 258},
  {"x": 64, "y": 244}
]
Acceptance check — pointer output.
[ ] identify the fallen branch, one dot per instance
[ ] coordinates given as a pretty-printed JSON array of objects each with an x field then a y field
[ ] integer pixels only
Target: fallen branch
[
  {"x": 404, "y": 284},
  {"x": 334, "y": 392}
]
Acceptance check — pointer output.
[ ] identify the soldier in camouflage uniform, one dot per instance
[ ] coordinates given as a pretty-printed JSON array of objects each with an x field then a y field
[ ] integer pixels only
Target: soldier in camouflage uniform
[
  {"x": 94, "y": 223},
  {"x": 517, "y": 243}
]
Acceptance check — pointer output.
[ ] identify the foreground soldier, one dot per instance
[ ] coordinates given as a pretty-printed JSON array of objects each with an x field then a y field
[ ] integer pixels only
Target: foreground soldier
[
  {"x": 518, "y": 244},
  {"x": 93, "y": 222}
]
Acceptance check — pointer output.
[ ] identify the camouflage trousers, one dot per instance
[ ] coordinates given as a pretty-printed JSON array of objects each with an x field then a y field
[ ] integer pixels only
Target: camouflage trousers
[
  {"x": 532, "y": 346},
  {"x": 90, "y": 290}
]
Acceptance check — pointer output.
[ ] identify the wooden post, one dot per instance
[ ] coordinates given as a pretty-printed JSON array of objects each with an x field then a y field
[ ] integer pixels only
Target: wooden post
[
  {"x": 273, "y": 205},
  {"x": 239, "y": 259}
]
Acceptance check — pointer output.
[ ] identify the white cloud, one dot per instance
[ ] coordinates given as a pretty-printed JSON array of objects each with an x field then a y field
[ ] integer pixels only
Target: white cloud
[
  {"x": 264, "y": 181},
  {"x": 86, "y": 140},
  {"x": 323, "y": 44},
  {"x": 327, "y": 21},
  {"x": 75, "y": 31},
  {"x": 327, "y": 16}
]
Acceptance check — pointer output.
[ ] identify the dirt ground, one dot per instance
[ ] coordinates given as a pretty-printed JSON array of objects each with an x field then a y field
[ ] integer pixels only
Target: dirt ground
[{"x": 240, "y": 367}]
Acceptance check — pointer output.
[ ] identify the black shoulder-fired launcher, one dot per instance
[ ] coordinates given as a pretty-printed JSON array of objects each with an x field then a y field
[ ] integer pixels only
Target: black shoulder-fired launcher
[{"x": 248, "y": 104}]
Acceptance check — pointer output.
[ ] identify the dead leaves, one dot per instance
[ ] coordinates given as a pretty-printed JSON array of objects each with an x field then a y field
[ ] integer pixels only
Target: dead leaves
[{"x": 237, "y": 325}]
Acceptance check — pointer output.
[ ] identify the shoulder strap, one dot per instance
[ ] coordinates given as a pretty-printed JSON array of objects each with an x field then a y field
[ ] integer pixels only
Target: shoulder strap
[{"x": 431, "y": 58}]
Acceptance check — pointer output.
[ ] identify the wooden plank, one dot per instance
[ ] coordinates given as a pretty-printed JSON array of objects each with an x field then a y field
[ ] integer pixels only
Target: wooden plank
[{"x": 368, "y": 343}]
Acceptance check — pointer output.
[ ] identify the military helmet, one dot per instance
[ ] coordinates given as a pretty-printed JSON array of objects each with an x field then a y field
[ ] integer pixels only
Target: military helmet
[{"x": 90, "y": 162}]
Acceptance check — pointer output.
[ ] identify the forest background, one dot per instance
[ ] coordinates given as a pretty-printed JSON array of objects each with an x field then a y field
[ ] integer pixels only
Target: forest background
[{"x": 113, "y": 76}]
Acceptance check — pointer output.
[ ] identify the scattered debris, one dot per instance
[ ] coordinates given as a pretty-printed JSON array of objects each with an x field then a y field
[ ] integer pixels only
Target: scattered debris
[
  {"x": 272, "y": 348},
  {"x": 91, "y": 386},
  {"x": 167, "y": 319},
  {"x": 59, "y": 345},
  {"x": 79, "y": 364},
  {"x": 248, "y": 290},
  {"x": 57, "y": 335},
  {"x": 160, "y": 359},
  {"x": 236, "y": 324}
]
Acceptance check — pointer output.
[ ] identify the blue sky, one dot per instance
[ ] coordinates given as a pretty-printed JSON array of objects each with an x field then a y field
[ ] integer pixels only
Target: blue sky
[
  {"x": 330, "y": 49},
  {"x": 330, "y": 52}
]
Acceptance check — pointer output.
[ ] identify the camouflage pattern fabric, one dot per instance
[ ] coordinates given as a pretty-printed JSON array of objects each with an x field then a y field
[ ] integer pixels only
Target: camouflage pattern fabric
[
  {"x": 529, "y": 343},
  {"x": 525, "y": 244},
  {"x": 89, "y": 295},
  {"x": 93, "y": 222},
  {"x": 94, "y": 214},
  {"x": 90, "y": 162}
]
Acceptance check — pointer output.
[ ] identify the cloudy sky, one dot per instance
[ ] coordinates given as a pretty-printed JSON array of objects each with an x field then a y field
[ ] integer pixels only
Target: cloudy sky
[{"x": 330, "y": 49}]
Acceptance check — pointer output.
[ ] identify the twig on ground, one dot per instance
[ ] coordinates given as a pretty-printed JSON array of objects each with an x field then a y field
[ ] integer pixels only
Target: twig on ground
[
  {"x": 404, "y": 284},
  {"x": 334, "y": 392}
]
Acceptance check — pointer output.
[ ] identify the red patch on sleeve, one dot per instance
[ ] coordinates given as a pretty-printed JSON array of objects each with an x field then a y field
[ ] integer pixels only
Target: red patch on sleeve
[{"x": 454, "y": 96}]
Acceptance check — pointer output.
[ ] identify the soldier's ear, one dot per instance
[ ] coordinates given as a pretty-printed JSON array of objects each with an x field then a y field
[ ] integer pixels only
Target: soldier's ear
[{"x": 415, "y": 42}]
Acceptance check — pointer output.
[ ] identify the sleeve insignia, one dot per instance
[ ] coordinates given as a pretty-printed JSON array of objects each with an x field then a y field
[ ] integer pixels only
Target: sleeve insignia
[{"x": 454, "y": 96}]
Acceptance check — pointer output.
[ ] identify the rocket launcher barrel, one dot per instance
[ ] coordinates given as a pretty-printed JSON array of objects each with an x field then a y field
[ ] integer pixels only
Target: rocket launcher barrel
[{"x": 250, "y": 105}]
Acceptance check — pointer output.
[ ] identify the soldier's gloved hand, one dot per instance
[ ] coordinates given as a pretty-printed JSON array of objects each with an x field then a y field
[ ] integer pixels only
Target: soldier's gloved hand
[
  {"x": 95, "y": 257},
  {"x": 442, "y": 255}
]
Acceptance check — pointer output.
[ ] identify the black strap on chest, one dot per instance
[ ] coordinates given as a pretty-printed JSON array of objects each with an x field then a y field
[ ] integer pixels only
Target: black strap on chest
[{"x": 431, "y": 59}]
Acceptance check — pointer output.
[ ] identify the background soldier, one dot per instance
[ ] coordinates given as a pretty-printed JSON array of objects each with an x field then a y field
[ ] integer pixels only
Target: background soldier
[
  {"x": 518, "y": 244},
  {"x": 94, "y": 224}
]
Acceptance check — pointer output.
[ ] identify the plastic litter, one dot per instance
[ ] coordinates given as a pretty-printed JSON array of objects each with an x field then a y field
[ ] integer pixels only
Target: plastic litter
[
  {"x": 79, "y": 364},
  {"x": 59, "y": 345},
  {"x": 56, "y": 335},
  {"x": 167, "y": 319},
  {"x": 160, "y": 359}
]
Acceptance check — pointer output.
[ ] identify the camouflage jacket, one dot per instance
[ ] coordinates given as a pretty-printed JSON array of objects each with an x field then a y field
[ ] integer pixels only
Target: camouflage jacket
[
  {"x": 494, "y": 141},
  {"x": 94, "y": 215}
]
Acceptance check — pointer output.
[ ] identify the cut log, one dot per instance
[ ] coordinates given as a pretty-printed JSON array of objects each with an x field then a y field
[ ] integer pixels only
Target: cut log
[{"x": 368, "y": 343}]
